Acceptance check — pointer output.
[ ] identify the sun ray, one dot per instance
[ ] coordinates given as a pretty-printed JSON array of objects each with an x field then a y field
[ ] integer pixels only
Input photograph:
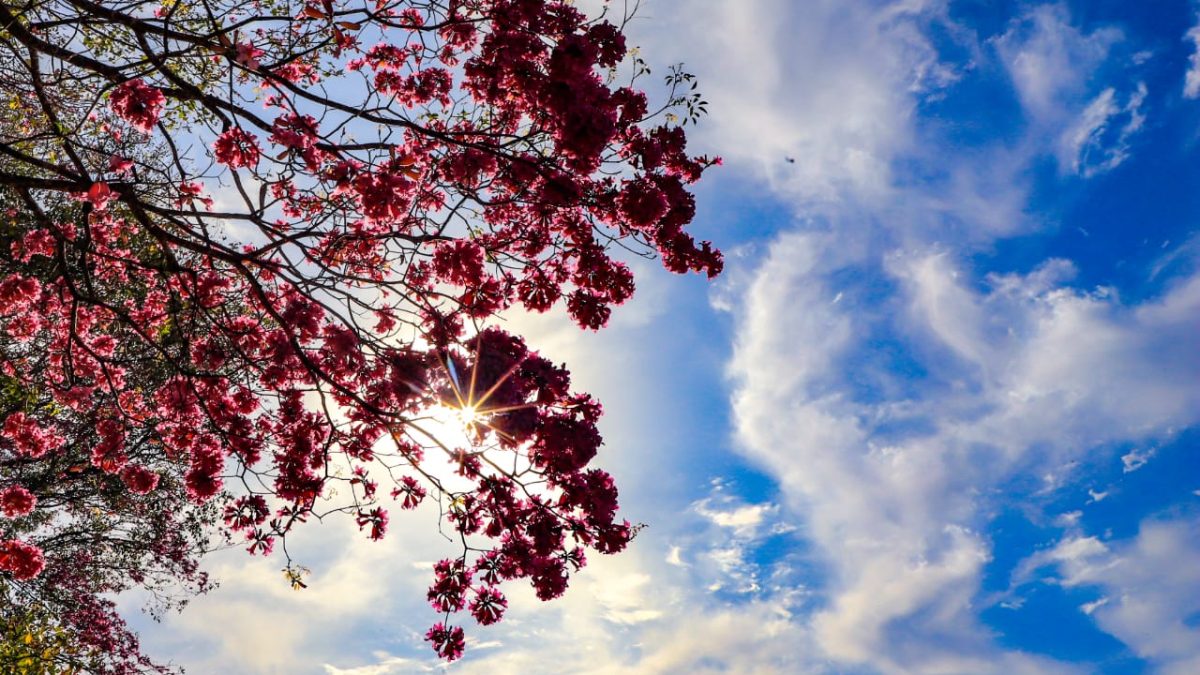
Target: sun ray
[
  {"x": 470, "y": 412},
  {"x": 504, "y": 409},
  {"x": 475, "y": 369},
  {"x": 448, "y": 366},
  {"x": 488, "y": 394}
]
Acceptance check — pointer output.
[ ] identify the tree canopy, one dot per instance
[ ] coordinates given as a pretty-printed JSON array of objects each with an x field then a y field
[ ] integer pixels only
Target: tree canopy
[{"x": 249, "y": 259}]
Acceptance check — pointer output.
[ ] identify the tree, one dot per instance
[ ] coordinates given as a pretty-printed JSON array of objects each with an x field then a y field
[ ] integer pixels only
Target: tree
[
  {"x": 251, "y": 262},
  {"x": 105, "y": 515}
]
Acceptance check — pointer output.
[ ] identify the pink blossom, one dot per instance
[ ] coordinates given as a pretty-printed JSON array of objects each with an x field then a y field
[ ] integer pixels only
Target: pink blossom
[
  {"x": 378, "y": 520},
  {"x": 29, "y": 437},
  {"x": 119, "y": 165},
  {"x": 247, "y": 55},
  {"x": 447, "y": 641},
  {"x": 99, "y": 195},
  {"x": 16, "y": 501},
  {"x": 138, "y": 103},
  {"x": 23, "y": 561},
  {"x": 139, "y": 479},
  {"x": 35, "y": 242},
  {"x": 488, "y": 606},
  {"x": 236, "y": 148},
  {"x": 190, "y": 192}
]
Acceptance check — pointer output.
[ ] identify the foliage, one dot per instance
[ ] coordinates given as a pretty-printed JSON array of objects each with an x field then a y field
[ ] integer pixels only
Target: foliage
[{"x": 249, "y": 264}]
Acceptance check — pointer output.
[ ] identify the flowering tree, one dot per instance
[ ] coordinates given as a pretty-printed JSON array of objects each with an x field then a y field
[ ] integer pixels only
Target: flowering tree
[{"x": 249, "y": 256}]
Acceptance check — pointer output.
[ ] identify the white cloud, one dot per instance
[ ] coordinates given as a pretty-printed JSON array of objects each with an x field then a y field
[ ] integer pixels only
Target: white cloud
[
  {"x": 816, "y": 97},
  {"x": 635, "y": 613},
  {"x": 1191, "y": 82},
  {"x": 675, "y": 557},
  {"x": 1068, "y": 519},
  {"x": 1051, "y": 64},
  {"x": 1135, "y": 459},
  {"x": 724, "y": 551},
  {"x": 386, "y": 665},
  {"x": 254, "y": 623},
  {"x": 758, "y": 639},
  {"x": 1021, "y": 375},
  {"x": 1092, "y": 145},
  {"x": 1050, "y": 61},
  {"x": 743, "y": 519},
  {"x": 1023, "y": 378},
  {"x": 893, "y": 478},
  {"x": 1150, "y": 586}
]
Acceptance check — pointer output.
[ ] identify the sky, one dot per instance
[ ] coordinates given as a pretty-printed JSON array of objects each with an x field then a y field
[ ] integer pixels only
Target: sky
[{"x": 939, "y": 415}]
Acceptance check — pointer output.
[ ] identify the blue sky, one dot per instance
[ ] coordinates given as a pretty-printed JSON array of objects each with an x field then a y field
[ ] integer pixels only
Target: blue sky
[{"x": 939, "y": 415}]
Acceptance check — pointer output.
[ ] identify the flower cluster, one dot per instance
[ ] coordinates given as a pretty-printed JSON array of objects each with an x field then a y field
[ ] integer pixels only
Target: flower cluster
[
  {"x": 138, "y": 103},
  {"x": 23, "y": 561},
  {"x": 16, "y": 501},
  {"x": 236, "y": 148}
]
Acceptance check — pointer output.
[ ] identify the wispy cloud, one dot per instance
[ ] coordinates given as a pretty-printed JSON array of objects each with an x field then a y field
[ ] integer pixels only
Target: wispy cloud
[
  {"x": 1135, "y": 459},
  {"x": 1150, "y": 590},
  {"x": 893, "y": 392},
  {"x": 816, "y": 97},
  {"x": 1191, "y": 82},
  {"x": 1098, "y": 141},
  {"x": 1051, "y": 61},
  {"x": 1052, "y": 65}
]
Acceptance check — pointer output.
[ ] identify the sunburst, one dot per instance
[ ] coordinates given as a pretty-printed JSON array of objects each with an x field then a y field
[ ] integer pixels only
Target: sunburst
[{"x": 471, "y": 411}]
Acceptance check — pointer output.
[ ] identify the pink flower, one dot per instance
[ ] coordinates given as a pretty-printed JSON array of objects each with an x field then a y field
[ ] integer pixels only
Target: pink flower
[
  {"x": 294, "y": 131},
  {"x": 447, "y": 641},
  {"x": 488, "y": 606},
  {"x": 538, "y": 291},
  {"x": 236, "y": 147},
  {"x": 299, "y": 133},
  {"x": 35, "y": 242},
  {"x": 247, "y": 55},
  {"x": 588, "y": 309},
  {"x": 642, "y": 204},
  {"x": 449, "y": 590},
  {"x": 378, "y": 519},
  {"x": 138, "y": 103},
  {"x": 203, "y": 478},
  {"x": 412, "y": 491},
  {"x": 24, "y": 561},
  {"x": 119, "y": 165},
  {"x": 246, "y": 512},
  {"x": 139, "y": 479},
  {"x": 191, "y": 192},
  {"x": 16, "y": 292},
  {"x": 16, "y": 501},
  {"x": 109, "y": 454},
  {"x": 99, "y": 195},
  {"x": 459, "y": 262},
  {"x": 29, "y": 437},
  {"x": 550, "y": 581}
]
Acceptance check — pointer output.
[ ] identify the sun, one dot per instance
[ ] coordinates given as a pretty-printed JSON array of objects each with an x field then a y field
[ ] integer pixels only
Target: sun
[
  {"x": 468, "y": 415},
  {"x": 469, "y": 409}
]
